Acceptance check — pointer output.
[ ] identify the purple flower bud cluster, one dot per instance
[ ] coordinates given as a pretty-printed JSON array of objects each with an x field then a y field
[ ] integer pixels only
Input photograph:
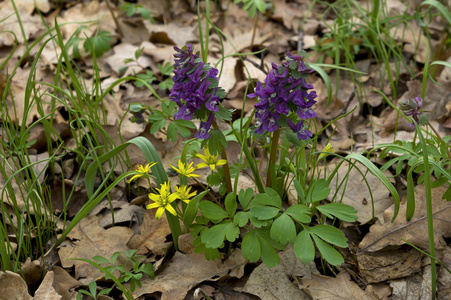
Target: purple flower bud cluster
[
  {"x": 412, "y": 108},
  {"x": 195, "y": 89},
  {"x": 285, "y": 90}
]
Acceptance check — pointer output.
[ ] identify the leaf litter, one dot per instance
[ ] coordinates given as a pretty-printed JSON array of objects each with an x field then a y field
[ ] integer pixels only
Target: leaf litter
[{"x": 385, "y": 268}]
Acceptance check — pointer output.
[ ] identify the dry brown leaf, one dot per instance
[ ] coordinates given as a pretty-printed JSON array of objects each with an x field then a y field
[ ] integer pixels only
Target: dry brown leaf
[
  {"x": 31, "y": 24},
  {"x": 341, "y": 287},
  {"x": 390, "y": 264},
  {"x": 64, "y": 282},
  {"x": 91, "y": 11},
  {"x": 12, "y": 286},
  {"x": 415, "y": 287},
  {"x": 444, "y": 277},
  {"x": 152, "y": 235},
  {"x": 357, "y": 194},
  {"x": 88, "y": 239},
  {"x": 32, "y": 271},
  {"x": 47, "y": 290},
  {"x": 414, "y": 231},
  {"x": 171, "y": 33},
  {"x": 184, "y": 271},
  {"x": 78, "y": 197},
  {"x": 125, "y": 51},
  {"x": 276, "y": 283}
]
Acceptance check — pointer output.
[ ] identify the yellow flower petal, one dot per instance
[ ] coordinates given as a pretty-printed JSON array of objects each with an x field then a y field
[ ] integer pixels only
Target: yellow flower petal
[
  {"x": 152, "y": 205},
  {"x": 159, "y": 213},
  {"x": 170, "y": 209}
]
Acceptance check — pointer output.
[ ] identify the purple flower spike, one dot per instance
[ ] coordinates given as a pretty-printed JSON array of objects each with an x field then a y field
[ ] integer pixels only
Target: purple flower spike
[
  {"x": 412, "y": 108},
  {"x": 285, "y": 92},
  {"x": 196, "y": 90},
  {"x": 205, "y": 127}
]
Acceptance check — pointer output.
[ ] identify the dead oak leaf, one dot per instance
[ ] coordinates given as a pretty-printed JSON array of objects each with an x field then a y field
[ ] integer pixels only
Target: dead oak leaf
[
  {"x": 185, "y": 271},
  {"x": 341, "y": 287},
  {"x": 88, "y": 239},
  {"x": 413, "y": 231},
  {"x": 12, "y": 286}
]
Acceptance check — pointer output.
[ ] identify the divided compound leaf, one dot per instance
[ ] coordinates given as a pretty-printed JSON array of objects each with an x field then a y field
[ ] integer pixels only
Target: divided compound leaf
[
  {"x": 304, "y": 248},
  {"x": 319, "y": 191},
  {"x": 250, "y": 247},
  {"x": 212, "y": 211},
  {"x": 231, "y": 204},
  {"x": 342, "y": 211},
  {"x": 214, "y": 237},
  {"x": 300, "y": 213},
  {"x": 329, "y": 253},
  {"x": 245, "y": 196},
  {"x": 330, "y": 234},
  {"x": 283, "y": 230},
  {"x": 241, "y": 218},
  {"x": 264, "y": 212}
]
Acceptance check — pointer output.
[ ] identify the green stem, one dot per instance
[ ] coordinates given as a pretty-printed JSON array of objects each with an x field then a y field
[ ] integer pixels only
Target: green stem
[
  {"x": 430, "y": 215},
  {"x": 271, "y": 173},
  {"x": 226, "y": 166}
]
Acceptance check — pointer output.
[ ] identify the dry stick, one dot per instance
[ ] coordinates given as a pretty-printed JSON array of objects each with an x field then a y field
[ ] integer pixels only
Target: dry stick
[{"x": 119, "y": 30}]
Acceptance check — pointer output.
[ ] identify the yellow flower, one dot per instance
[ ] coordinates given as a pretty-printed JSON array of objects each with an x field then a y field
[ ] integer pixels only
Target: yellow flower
[
  {"x": 209, "y": 160},
  {"x": 163, "y": 200},
  {"x": 184, "y": 193},
  {"x": 143, "y": 170},
  {"x": 185, "y": 169},
  {"x": 328, "y": 149}
]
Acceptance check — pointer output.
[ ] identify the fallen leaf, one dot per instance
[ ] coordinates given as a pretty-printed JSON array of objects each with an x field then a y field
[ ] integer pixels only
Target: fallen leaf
[
  {"x": 341, "y": 287},
  {"x": 389, "y": 264},
  {"x": 276, "y": 283},
  {"x": 414, "y": 231},
  {"x": 415, "y": 287},
  {"x": 12, "y": 286},
  {"x": 46, "y": 290},
  {"x": 152, "y": 235},
  {"x": 32, "y": 271},
  {"x": 87, "y": 240},
  {"x": 184, "y": 271},
  {"x": 357, "y": 194},
  {"x": 443, "y": 276}
]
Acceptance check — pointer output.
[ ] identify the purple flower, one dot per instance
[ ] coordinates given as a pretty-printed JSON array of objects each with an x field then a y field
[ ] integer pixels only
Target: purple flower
[
  {"x": 205, "y": 127},
  {"x": 285, "y": 92},
  {"x": 195, "y": 88},
  {"x": 412, "y": 108},
  {"x": 299, "y": 129}
]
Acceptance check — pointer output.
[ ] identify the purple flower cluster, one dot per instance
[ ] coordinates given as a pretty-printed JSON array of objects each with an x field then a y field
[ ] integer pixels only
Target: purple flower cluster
[
  {"x": 285, "y": 90},
  {"x": 195, "y": 89}
]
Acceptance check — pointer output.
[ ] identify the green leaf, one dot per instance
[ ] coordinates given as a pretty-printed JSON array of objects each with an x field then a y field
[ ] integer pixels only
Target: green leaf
[
  {"x": 231, "y": 204},
  {"x": 256, "y": 222},
  {"x": 210, "y": 253},
  {"x": 101, "y": 260},
  {"x": 223, "y": 113},
  {"x": 214, "y": 237},
  {"x": 330, "y": 234},
  {"x": 157, "y": 125},
  {"x": 283, "y": 230},
  {"x": 241, "y": 218},
  {"x": 329, "y": 253},
  {"x": 269, "y": 255},
  {"x": 299, "y": 190},
  {"x": 250, "y": 247},
  {"x": 216, "y": 141},
  {"x": 245, "y": 196},
  {"x": 212, "y": 211},
  {"x": 342, "y": 211},
  {"x": 192, "y": 208},
  {"x": 319, "y": 191},
  {"x": 304, "y": 248},
  {"x": 93, "y": 288},
  {"x": 100, "y": 43},
  {"x": 232, "y": 232},
  {"x": 300, "y": 213},
  {"x": 269, "y": 198},
  {"x": 264, "y": 212}
]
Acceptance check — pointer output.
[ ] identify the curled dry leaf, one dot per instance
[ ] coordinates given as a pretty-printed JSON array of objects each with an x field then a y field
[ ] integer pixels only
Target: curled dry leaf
[{"x": 12, "y": 286}]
